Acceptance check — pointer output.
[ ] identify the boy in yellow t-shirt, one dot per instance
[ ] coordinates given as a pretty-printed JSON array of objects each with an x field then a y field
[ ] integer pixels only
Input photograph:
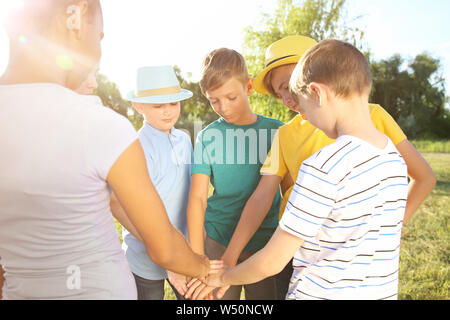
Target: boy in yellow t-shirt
[{"x": 297, "y": 141}]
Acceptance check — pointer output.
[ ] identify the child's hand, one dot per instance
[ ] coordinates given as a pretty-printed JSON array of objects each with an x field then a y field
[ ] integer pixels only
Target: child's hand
[{"x": 179, "y": 282}]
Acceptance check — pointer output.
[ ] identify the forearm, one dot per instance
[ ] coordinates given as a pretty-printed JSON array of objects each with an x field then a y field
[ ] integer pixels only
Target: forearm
[
  {"x": 265, "y": 263},
  {"x": 119, "y": 213},
  {"x": 418, "y": 192},
  {"x": 251, "y": 219},
  {"x": 422, "y": 177},
  {"x": 196, "y": 221},
  {"x": 184, "y": 260},
  {"x": 252, "y": 270}
]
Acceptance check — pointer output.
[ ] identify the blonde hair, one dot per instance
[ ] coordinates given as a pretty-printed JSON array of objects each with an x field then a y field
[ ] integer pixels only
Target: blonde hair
[
  {"x": 219, "y": 66},
  {"x": 335, "y": 63}
]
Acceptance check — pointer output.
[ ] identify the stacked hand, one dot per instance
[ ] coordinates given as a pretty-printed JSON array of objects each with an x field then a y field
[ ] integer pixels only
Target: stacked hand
[{"x": 203, "y": 289}]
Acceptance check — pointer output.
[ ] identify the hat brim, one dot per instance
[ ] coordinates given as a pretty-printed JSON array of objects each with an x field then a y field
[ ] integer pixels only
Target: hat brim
[
  {"x": 169, "y": 98},
  {"x": 258, "y": 82}
]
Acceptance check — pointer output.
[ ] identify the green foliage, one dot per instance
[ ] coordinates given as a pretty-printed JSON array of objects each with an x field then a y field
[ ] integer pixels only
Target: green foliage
[
  {"x": 318, "y": 19},
  {"x": 194, "y": 109},
  {"x": 110, "y": 95},
  {"x": 414, "y": 96}
]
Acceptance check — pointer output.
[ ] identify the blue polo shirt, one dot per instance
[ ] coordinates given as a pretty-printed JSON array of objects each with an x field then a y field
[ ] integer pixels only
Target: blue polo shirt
[{"x": 169, "y": 158}]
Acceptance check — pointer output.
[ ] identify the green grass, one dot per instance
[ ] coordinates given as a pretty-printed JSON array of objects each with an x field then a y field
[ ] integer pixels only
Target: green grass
[
  {"x": 432, "y": 146},
  {"x": 425, "y": 252}
]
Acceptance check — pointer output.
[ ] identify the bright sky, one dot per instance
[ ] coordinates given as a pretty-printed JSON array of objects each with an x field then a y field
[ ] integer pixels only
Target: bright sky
[{"x": 142, "y": 32}]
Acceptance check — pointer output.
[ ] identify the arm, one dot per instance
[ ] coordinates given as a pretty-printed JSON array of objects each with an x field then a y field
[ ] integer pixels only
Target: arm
[
  {"x": 122, "y": 217},
  {"x": 165, "y": 245},
  {"x": 252, "y": 217},
  {"x": 198, "y": 197},
  {"x": 286, "y": 183},
  {"x": 263, "y": 264},
  {"x": 422, "y": 177}
]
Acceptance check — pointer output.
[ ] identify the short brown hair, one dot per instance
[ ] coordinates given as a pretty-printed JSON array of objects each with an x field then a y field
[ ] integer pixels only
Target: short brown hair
[
  {"x": 219, "y": 66},
  {"x": 335, "y": 63}
]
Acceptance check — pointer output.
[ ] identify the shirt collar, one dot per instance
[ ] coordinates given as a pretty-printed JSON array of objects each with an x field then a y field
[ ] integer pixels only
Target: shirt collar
[{"x": 173, "y": 132}]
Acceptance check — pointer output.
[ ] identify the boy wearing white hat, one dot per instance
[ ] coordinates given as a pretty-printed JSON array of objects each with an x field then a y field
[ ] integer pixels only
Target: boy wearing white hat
[{"x": 169, "y": 156}]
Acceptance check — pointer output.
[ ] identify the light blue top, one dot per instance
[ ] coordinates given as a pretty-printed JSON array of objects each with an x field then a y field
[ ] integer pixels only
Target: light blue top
[{"x": 169, "y": 158}]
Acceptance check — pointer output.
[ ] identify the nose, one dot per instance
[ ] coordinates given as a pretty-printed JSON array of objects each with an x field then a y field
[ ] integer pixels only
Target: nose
[{"x": 166, "y": 110}]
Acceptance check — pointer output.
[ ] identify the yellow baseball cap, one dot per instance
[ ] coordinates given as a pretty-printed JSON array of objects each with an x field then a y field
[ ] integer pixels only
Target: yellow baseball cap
[{"x": 285, "y": 51}]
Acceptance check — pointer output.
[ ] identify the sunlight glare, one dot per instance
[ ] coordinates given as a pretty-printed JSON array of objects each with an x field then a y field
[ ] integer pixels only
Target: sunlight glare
[
  {"x": 4, "y": 50},
  {"x": 7, "y": 6}
]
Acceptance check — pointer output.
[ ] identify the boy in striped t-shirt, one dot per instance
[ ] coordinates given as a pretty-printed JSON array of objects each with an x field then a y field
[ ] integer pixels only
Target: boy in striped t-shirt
[{"x": 343, "y": 220}]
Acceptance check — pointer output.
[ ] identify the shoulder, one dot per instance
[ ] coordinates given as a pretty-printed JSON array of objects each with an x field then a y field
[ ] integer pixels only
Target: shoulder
[
  {"x": 377, "y": 112},
  {"x": 334, "y": 158}
]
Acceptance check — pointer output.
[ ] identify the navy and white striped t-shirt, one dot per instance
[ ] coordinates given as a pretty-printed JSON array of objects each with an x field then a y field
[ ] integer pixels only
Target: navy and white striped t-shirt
[{"x": 348, "y": 205}]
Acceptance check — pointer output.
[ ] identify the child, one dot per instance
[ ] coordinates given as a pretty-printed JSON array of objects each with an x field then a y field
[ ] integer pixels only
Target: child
[
  {"x": 298, "y": 140},
  {"x": 168, "y": 152},
  {"x": 229, "y": 153},
  {"x": 344, "y": 217}
]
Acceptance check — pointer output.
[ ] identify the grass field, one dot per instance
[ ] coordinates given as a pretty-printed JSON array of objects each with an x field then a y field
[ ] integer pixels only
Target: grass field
[
  {"x": 428, "y": 146},
  {"x": 425, "y": 253}
]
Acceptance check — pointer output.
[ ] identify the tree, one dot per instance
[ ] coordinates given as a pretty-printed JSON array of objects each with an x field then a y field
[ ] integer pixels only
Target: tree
[
  {"x": 318, "y": 19},
  {"x": 110, "y": 95},
  {"x": 196, "y": 109},
  {"x": 414, "y": 96}
]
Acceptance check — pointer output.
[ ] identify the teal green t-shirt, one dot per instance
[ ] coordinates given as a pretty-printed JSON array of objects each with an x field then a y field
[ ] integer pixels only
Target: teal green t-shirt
[{"x": 232, "y": 157}]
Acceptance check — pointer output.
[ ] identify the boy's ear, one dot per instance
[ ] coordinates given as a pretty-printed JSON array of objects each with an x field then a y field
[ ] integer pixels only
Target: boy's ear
[
  {"x": 249, "y": 86},
  {"x": 138, "y": 107},
  {"x": 317, "y": 92}
]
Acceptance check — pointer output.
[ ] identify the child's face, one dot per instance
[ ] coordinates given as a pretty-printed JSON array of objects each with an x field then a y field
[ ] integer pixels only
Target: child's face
[
  {"x": 160, "y": 116},
  {"x": 230, "y": 101},
  {"x": 280, "y": 84}
]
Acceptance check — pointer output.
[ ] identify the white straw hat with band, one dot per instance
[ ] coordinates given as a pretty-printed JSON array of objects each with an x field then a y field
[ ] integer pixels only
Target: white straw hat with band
[{"x": 158, "y": 84}]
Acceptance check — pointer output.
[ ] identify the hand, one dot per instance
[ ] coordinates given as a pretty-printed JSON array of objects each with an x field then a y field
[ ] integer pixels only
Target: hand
[
  {"x": 216, "y": 280},
  {"x": 198, "y": 290},
  {"x": 179, "y": 282},
  {"x": 196, "y": 286}
]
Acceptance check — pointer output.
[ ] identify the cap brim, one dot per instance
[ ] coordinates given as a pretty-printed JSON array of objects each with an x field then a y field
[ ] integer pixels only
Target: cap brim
[
  {"x": 258, "y": 82},
  {"x": 182, "y": 95}
]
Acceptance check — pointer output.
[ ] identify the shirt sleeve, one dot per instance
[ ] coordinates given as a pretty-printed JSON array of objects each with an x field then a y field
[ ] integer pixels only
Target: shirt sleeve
[
  {"x": 274, "y": 163},
  {"x": 310, "y": 203},
  {"x": 109, "y": 135},
  {"x": 384, "y": 122},
  {"x": 202, "y": 163}
]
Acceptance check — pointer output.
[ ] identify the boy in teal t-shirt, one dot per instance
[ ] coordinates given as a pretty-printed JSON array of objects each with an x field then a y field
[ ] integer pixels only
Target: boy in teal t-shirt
[{"x": 229, "y": 154}]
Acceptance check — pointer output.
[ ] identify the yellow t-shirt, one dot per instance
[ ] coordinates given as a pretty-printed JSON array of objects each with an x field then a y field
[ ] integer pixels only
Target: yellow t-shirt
[{"x": 298, "y": 140}]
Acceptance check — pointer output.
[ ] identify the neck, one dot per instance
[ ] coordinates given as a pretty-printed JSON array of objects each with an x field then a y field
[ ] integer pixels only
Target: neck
[
  {"x": 32, "y": 64},
  {"x": 29, "y": 72},
  {"x": 359, "y": 124},
  {"x": 247, "y": 119}
]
